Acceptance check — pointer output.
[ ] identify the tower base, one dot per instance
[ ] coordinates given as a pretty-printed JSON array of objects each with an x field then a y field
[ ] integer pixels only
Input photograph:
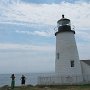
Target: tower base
[{"x": 60, "y": 80}]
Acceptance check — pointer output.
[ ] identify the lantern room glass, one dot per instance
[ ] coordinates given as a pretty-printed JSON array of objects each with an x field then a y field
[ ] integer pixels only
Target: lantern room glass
[{"x": 63, "y": 22}]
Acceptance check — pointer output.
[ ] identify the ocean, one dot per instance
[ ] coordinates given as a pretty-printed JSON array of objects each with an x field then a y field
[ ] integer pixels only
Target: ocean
[{"x": 31, "y": 79}]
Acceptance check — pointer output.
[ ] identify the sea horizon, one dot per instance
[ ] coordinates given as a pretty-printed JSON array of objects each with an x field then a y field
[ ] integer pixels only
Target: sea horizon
[{"x": 31, "y": 78}]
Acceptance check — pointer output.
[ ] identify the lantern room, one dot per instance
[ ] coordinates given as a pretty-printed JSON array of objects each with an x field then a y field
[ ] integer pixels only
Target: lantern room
[{"x": 64, "y": 25}]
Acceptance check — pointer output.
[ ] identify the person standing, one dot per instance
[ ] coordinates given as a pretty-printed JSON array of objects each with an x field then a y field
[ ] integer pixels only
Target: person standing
[
  {"x": 23, "y": 78},
  {"x": 13, "y": 81}
]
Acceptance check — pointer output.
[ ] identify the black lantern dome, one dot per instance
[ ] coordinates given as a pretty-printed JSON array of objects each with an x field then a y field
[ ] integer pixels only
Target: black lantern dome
[{"x": 64, "y": 25}]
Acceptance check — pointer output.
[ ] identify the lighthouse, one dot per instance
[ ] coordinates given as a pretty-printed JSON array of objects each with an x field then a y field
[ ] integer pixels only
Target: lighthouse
[
  {"x": 69, "y": 70},
  {"x": 67, "y": 61}
]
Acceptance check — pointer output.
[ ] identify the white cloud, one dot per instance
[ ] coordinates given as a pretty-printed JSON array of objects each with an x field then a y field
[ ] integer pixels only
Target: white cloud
[
  {"x": 38, "y": 33},
  {"x": 37, "y": 15},
  {"x": 19, "y": 58},
  {"x": 83, "y": 35},
  {"x": 48, "y": 14},
  {"x": 84, "y": 51},
  {"x": 14, "y": 62},
  {"x": 45, "y": 48}
]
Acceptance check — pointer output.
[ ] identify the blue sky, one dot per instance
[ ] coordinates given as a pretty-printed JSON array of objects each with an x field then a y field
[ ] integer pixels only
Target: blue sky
[
  {"x": 52, "y": 1},
  {"x": 27, "y": 41}
]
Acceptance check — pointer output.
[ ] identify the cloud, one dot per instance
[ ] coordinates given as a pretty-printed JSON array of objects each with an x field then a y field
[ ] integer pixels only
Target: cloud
[
  {"x": 84, "y": 50},
  {"x": 47, "y": 14},
  {"x": 43, "y": 18},
  {"x": 26, "y": 47},
  {"x": 83, "y": 35},
  {"x": 17, "y": 58},
  {"x": 44, "y": 15},
  {"x": 18, "y": 62},
  {"x": 36, "y": 33}
]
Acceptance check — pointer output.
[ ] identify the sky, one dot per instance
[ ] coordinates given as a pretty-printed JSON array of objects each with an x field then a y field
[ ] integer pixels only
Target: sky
[{"x": 27, "y": 28}]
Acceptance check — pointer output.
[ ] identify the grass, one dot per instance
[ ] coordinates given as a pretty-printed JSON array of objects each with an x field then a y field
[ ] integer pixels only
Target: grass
[{"x": 59, "y": 87}]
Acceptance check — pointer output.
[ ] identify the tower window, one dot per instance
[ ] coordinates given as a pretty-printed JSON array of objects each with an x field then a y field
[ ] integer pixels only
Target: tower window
[
  {"x": 57, "y": 55},
  {"x": 72, "y": 63}
]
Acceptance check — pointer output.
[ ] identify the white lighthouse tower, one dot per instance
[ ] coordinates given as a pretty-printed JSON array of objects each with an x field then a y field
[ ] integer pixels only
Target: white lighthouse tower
[
  {"x": 67, "y": 59},
  {"x": 68, "y": 69}
]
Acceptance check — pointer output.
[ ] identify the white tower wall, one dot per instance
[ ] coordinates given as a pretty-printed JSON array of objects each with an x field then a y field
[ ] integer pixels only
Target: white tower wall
[{"x": 66, "y": 52}]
